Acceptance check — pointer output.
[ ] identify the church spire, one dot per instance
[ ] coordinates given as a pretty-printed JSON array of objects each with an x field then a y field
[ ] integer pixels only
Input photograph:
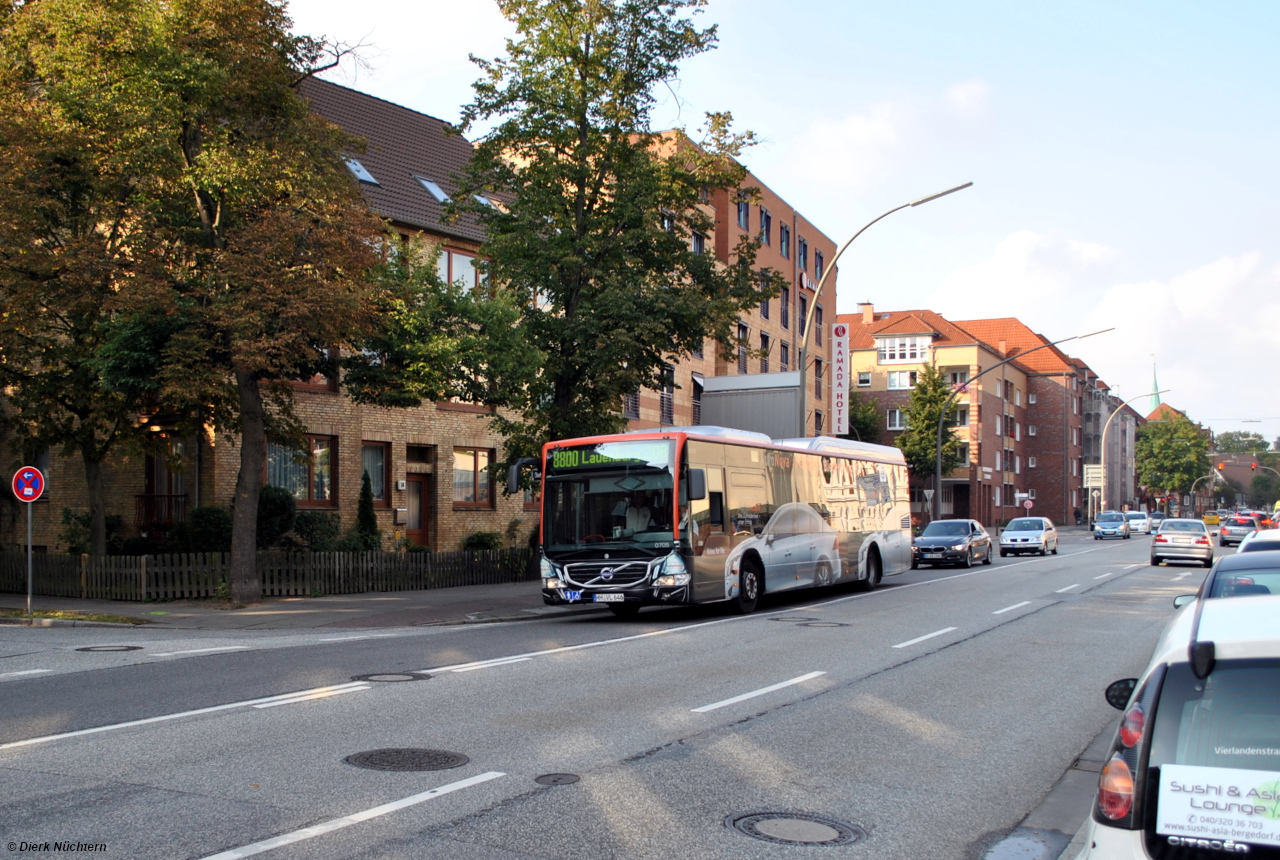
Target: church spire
[{"x": 1155, "y": 389}]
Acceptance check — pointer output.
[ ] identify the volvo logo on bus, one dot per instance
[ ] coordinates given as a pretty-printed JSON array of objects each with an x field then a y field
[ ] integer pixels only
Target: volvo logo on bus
[{"x": 607, "y": 573}]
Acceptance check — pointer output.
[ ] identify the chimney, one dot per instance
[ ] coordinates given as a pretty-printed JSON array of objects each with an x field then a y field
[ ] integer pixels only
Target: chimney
[
  {"x": 1004, "y": 348},
  {"x": 868, "y": 312}
]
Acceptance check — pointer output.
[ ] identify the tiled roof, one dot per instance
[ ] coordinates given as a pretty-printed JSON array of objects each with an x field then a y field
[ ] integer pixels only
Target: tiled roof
[
  {"x": 402, "y": 144},
  {"x": 1165, "y": 412},
  {"x": 1019, "y": 338},
  {"x": 863, "y": 336}
]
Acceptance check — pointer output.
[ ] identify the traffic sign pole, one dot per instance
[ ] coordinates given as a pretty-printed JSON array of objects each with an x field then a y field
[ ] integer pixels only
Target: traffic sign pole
[
  {"x": 28, "y": 485},
  {"x": 29, "y": 615}
]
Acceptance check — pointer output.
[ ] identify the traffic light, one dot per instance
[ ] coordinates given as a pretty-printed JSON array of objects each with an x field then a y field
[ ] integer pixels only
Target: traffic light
[
  {"x": 1253, "y": 467},
  {"x": 1220, "y": 465}
]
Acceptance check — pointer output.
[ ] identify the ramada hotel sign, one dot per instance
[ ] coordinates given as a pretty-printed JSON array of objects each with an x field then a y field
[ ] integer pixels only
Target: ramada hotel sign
[{"x": 840, "y": 379}]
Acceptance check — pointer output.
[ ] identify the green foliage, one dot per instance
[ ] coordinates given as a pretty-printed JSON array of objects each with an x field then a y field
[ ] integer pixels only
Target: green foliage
[
  {"x": 1239, "y": 442},
  {"x": 592, "y": 241},
  {"x": 76, "y": 530},
  {"x": 919, "y": 442},
  {"x": 277, "y": 510},
  {"x": 319, "y": 529},
  {"x": 865, "y": 421},
  {"x": 207, "y": 529},
  {"x": 366, "y": 528},
  {"x": 1264, "y": 489},
  {"x": 479, "y": 541},
  {"x": 1170, "y": 455}
]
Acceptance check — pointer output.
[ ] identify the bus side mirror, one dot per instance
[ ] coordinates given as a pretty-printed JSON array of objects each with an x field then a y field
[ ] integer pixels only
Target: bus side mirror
[
  {"x": 513, "y": 474},
  {"x": 697, "y": 484}
]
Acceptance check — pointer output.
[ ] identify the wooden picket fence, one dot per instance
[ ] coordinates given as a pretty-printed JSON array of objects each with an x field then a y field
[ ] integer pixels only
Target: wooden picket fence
[{"x": 185, "y": 575}]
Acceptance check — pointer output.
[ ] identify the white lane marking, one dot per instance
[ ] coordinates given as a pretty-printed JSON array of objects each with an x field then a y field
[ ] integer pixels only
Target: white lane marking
[
  {"x": 506, "y": 662},
  {"x": 1132, "y": 566},
  {"x": 202, "y": 651},
  {"x": 762, "y": 691},
  {"x": 347, "y": 820},
  {"x": 1104, "y": 576},
  {"x": 1181, "y": 576},
  {"x": 354, "y": 638},
  {"x": 763, "y": 615},
  {"x": 312, "y": 697},
  {"x": 24, "y": 672},
  {"x": 165, "y": 717},
  {"x": 1068, "y": 588},
  {"x": 1011, "y": 608},
  {"x": 924, "y": 637}
]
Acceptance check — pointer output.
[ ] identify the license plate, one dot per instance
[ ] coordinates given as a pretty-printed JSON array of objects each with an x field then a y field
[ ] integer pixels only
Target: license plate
[
  {"x": 609, "y": 598},
  {"x": 933, "y": 555},
  {"x": 572, "y": 596},
  {"x": 1182, "y": 540}
]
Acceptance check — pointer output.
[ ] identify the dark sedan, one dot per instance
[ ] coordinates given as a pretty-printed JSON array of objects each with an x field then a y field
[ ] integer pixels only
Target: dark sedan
[{"x": 958, "y": 542}]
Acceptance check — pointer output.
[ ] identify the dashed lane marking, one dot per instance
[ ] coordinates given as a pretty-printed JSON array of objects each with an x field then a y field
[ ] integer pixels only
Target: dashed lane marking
[
  {"x": 202, "y": 651},
  {"x": 924, "y": 637},
  {"x": 762, "y": 691},
  {"x": 1068, "y": 588},
  {"x": 1011, "y": 608}
]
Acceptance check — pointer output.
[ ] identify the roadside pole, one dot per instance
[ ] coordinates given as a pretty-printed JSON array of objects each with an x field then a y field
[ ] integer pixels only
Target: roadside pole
[{"x": 28, "y": 485}]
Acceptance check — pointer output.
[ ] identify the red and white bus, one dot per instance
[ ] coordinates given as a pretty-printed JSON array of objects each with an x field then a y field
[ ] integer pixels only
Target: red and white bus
[{"x": 706, "y": 514}]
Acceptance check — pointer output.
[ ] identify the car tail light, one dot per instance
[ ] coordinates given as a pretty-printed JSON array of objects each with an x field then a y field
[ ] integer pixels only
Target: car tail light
[
  {"x": 1134, "y": 724},
  {"x": 1161, "y": 539},
  {"x": 1204, "y": 541},
  {"x": 1115, "y": 789}
]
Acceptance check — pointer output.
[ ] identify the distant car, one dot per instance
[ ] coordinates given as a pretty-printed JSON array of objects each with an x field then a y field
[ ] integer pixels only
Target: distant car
[
  {"x": 1156, "y": 517},
  {"x": 1211, "y": 518},
  {"x": 1265, "y": 541},
  {"x": 1138, "y": 522},
  {"x": 1197, "y": 742},
  {"x": 1029, "y": 534},
  {"x": 1182, "y": 540},
  {"x": 1236, "y": 528},
  {"x": 960, "y": 542},
  {"x": 1110, "y": 524}
]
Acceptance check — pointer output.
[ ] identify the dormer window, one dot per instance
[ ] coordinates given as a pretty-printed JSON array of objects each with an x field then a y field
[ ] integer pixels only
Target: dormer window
[{"x": 900, "y": 350}]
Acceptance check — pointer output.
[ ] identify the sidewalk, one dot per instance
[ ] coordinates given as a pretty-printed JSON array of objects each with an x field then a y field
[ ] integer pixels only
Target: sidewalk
[{"x": 465, "y": 605}]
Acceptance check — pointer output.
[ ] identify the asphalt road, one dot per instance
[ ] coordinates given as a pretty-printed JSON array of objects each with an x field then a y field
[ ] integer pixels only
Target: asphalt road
[{"x": 933, "y": 713}]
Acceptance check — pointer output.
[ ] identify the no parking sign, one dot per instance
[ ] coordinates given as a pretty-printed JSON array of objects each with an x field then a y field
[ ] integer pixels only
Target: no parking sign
[{"x": 28, "y": 484}]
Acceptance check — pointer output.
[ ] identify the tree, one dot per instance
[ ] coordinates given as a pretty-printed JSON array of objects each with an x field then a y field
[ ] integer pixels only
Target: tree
[
  {"x": 1170, "y": 455},
  {"x": 1239, "y": 442},
  {"x": 593, "y": 235},
  {"x": 366, "y": 530},
  {"x": 864, "y": 419},
  {"x": 1263, "y": 491},
  {"x": 919, "y": 442}
]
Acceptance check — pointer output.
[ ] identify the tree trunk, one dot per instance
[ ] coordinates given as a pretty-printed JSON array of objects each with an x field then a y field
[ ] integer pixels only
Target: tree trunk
[
  {"x": 97, "y": 504},
  {"x": 245, "y": 585}
]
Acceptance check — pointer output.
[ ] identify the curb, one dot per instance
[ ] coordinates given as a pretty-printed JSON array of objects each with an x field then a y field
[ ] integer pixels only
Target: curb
[{"x": 66, "y": 622}]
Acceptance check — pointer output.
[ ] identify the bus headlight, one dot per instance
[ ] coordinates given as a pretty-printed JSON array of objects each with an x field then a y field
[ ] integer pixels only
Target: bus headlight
[
  {"x": 673, "y": 580},
  {"x": 674, "y": 572},
  {"x": 550, "y": 573}
]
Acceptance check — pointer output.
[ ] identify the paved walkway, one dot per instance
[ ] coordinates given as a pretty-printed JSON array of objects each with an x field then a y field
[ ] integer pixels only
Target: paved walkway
[{"x": 465, "y": 605}]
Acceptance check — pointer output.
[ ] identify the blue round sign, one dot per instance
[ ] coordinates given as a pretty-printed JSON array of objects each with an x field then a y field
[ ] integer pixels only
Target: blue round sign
[{"x": 28, "y": 484}]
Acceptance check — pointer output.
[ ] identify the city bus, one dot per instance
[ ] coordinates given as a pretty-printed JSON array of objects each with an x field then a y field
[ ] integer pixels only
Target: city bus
[{"x": 707, "y": 514}]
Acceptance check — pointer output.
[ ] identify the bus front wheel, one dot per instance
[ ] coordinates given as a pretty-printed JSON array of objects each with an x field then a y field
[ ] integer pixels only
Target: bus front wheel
[{"x": 750, "y": 584}]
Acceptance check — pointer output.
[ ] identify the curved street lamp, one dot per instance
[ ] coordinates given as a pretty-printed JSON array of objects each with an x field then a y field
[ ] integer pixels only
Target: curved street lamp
[
  {"x": 1103, "y": 442},
  {"x": 942, "y": 416},
  {"x": 807, "y": 323}
]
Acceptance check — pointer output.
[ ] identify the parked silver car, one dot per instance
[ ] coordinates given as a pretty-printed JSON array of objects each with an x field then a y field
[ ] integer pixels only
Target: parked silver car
[
  {"x": 1182, "y": 540},
  {"x": 1110, "y": 524},
  {"x": 1029, "y": 534}
]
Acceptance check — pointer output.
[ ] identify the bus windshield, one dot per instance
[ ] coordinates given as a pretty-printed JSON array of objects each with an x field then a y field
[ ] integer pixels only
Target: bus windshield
[{"x": 609, "y": 493}]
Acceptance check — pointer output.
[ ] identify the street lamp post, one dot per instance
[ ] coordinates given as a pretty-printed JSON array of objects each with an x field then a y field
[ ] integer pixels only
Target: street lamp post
[
  {"x": 1103, "y": 442},
  {"x": 807, "y": 322},
  {"x": 942, "y": 417}
]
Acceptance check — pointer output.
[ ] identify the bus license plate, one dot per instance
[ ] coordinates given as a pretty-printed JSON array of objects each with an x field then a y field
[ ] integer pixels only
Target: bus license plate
[
  {"x": 573, "y": 596},
  {"x": 609, "y": 598}
]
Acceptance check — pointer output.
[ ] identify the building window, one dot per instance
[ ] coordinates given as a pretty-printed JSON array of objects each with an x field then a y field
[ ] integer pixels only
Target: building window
[
  {"x": 894, "y": 417},
  {"x": 471, "y": 478},
  {"x": 901, "y": 380},
  {"x": 1074, "y": 471},
  {"x": 455, "y": 267},
  {"x": 817, "y": 325},
  {"x": 1017, "y": 397},
  {"x": 668, "y": 222},
  {"x": 964, "y": 454},
  {"x": 697, "y": 353},
  {"x": 999, "y": 426},
  {"x": 1017, "y": 435},
  {"x": 817, "y": 265},
  {"x": 1075, "y": 406},
  {"x": 864, "y": 379},
  {"x": 744, "y": 215},
  {"x": 784, "y": 357},
  {"x": 697, "y": 399},
  {"x": 1017, "y": 465},
  {"x": 802, "y": 253},
  {"x": 764, "y": 350},
  {"x": 890, "y": 350},
  {"x": 996, "y": 497},
  {"x": 631, "y": 405},
  {"x": 1031, "y": 462},
  {"x": 962, "y": 417},
  {"x": 742, "y": 348},
  {"x": 699, "y": 243},
  {"x": 817, "y": 379},
  {"x": 766, "y": 226},
  {"x": 764, "y": 304},
  {"x": 959, "y": 378},
  {"x": 375, "y": 459},
  {"x": 999, "y": 462},
  {"x": 1075, "y": 436},
  {"x": 667, "y": 397},
  {"x": 803, "y": 312},
  {"x": 786, "y": 307},
  {"x": 784, "y": 240},
  {"x": 310, "y": 481},
  {"x": 817, "y": 422},
  {"x": 1031, "y": 398},
  {"x": 1031, "y": 493}
]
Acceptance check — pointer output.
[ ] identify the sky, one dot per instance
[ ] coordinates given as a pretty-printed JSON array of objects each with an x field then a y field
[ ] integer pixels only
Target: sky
[{"x": 1125, "y": 160}]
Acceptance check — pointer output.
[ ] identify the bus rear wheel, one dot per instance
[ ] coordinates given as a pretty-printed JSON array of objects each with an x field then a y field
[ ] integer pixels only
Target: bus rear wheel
[
  {"x": 750, "y": 584},
  {"x": 874, "y": 572}
]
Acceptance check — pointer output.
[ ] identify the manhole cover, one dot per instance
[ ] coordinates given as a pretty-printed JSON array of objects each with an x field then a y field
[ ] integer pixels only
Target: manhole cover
[
  {"x": 793, "y": 618},
  {"x": 392, "y": 677},
  {"x": 111, "y": 648},
  {"x": 795, "y": 828},
  {"x": 411, "y": 758},
  {"x": 822, "y": 624},
  {"x": 556, "y": 779}
]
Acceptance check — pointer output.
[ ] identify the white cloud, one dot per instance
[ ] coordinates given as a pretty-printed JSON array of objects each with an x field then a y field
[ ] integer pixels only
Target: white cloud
[
  {"x": 851, "y": 150},
  {"x": 1023, "y": 275},
  {"x": 968, "y": 99},
  {"x": 1091, "y": 252}
]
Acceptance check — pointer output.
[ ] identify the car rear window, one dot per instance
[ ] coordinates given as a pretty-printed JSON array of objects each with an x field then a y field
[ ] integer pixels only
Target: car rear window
[
  {"x": 1175, "y": 526},
  {"x": 1206, "y": 733},
  {"x": 1243, "y": 521},
  {"x": 1242, "y": 583},
  {"x": 1255, "y": 545}
]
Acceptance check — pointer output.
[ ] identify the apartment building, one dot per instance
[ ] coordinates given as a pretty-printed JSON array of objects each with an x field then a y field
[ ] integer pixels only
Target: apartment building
[
  {"x": 887, "y": 351},
  {"x": 768, "y": 337}
]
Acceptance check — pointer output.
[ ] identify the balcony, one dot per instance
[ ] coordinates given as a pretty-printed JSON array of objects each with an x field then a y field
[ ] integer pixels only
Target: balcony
[{"x": 159, "y": 511}]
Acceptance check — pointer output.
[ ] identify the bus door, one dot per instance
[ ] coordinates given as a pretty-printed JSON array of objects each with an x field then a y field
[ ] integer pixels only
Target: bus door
[{"x": 710, "y": 538}]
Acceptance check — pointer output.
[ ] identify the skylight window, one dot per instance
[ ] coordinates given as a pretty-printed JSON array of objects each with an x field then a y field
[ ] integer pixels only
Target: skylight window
[
  {"x": 360, "y": 171},
  {"x": 484, "y": 201},
  {"x": 436, "y": 191}
]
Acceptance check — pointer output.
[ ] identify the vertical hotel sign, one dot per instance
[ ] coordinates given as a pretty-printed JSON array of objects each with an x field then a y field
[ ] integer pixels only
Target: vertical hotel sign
[{"x": 840, "y": 379}]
